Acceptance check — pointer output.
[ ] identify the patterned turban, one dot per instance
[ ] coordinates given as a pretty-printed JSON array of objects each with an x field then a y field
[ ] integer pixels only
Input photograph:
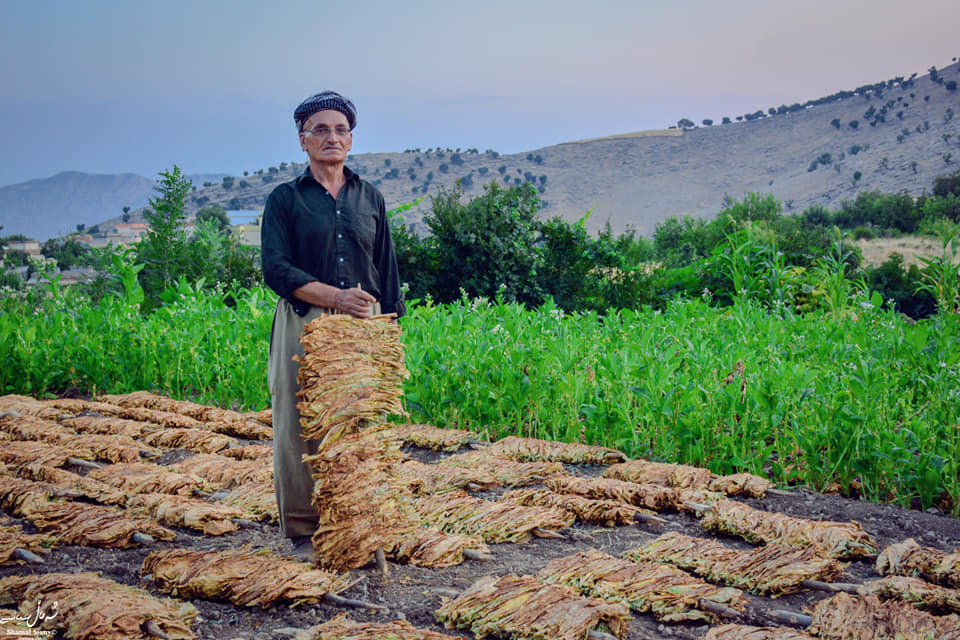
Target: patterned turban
[{"x": 321, "y": 102}]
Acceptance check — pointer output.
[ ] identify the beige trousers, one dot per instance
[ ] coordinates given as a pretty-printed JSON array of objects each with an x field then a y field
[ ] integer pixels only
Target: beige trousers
[{"x": 292, "y": 479}]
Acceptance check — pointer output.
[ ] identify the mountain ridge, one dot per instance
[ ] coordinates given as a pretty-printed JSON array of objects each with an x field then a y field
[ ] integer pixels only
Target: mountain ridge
[{"x": 892, "y": 136}]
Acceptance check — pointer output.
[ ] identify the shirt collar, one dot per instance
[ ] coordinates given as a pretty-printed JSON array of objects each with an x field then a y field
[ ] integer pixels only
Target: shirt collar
[{"x": 306, "y": 175}]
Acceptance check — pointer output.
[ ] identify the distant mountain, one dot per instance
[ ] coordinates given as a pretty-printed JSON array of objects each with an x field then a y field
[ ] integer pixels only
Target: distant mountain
[
  {"x": 51, "y": 207},
  {"x": 891, "y": 136}
]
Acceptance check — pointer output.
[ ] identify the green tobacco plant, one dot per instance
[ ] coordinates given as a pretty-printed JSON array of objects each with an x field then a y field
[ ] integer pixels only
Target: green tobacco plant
[{"x": 941, "y": 277}]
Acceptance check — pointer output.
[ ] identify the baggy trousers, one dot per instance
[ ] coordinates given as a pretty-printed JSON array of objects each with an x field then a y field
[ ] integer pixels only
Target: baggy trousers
[{"x": 292, "y": 479}]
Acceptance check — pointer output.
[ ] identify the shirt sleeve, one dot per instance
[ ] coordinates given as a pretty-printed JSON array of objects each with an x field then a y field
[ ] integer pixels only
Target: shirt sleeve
[
  {"x": 280, "y": 271},
  {"x": 391, "y": 295}
]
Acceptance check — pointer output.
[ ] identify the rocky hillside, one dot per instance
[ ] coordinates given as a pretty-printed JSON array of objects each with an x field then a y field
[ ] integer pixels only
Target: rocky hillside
[{"x": 895, "y": 135}]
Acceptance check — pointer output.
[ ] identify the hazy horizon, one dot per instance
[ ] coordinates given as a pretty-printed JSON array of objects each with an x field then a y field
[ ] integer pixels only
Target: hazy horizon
[{"x": 114, "y": 87}]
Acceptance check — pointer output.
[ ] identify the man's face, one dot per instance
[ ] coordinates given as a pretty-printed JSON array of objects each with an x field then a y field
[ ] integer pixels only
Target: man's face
[{"x": 326, "y": 137}]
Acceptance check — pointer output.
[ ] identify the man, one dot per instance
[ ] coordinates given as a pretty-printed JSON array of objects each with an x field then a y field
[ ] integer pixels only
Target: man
[{"x": 326, "y": 248}]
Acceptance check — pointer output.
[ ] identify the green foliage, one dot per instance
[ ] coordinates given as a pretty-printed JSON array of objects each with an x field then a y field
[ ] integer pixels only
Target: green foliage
[
  {"x": 941, "y": 278},
  {"x": 486, "y": 245},
  {"x": 163, "y": 249},
  {"x": 67, "y": 252},
  {"x": 215, "y": 214}
]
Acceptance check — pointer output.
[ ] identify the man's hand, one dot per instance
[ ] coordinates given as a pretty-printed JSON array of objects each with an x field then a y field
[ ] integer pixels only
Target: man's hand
[{"x": 355, "y": 301}]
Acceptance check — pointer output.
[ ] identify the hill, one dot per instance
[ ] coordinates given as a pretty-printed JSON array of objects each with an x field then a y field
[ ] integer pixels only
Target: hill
[{"x": 892, "y": 136}]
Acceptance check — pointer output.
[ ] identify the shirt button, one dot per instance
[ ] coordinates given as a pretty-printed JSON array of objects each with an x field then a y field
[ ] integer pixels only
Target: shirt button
[
  {"x": 339, "y": 235},
  {"x": 341, "y": 283},
  {"x": 341, "y": 259},
  {"x": 338, "y": 211}
]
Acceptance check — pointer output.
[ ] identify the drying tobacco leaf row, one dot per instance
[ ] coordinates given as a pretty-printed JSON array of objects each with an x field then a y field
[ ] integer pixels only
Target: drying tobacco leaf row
[
  {"x": 748, "y": 632},
  {"x": 914, "y": 591},
  {"x": 201, "y": 440},
  {"x": 687, "y": 477},
  {"x": 606, "y": 513},
  {"x": 162, "y": 418},
  {"x": 13, "y": 538},
  {"x": 74, "y": 483},
  {"x": 29, "y": 427},
  {"x": 424, "y": 478},
  {"x": 536, "y": 450},
  {"x": 94, "y": 525},
  {"x": 458, "y": 512},
  {"x": 834, "y": 539},
  {"x": 225, "y": 473},
  {"x": 670, "y": 594},
  {"x": 244, "y": 578},
  {"x": 848, "y": 617},
  {"x": 108, "y": 425},
  {"x": 93, "y": 608},
  {"x": 431, "y": 547},
  {"x": 506, "y": 471},
  {"x": 25, "y": 405},
  {"x": 250, "y": 452},
  {"x": 178, "y": 511},
  {"x": 255, "y": 498},
  {"x": 19, "y": 496},
  {"x": 350, "y": 374},
  {"x": 147, "y": 477},
  {"x": 342, "y": 628},
  {"x": 428, "y": 436},
  {"x": 648, "y": 496},
  {"x": 773, "y": 569},
  {"x": 23, "y": 453},
  {"x": 199, "y": 412},
  {"x": 908, "y": 558},
  {"x": 247, "y": 429}
]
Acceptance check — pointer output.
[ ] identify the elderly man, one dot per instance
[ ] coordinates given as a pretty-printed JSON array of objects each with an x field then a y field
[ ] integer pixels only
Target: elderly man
[{"x": 326, "y": 248}]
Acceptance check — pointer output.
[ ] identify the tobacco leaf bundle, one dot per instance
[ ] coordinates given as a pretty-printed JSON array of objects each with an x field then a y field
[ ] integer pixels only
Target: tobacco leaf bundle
[
  {"x": 687, "y": 477},
  {"x": 361, "y": 503},
  {"x": 19, "y": 497},
  {"x": 12, "y": 538},
  {"x": 919, "y": 593},
  {"x": 179, "y": 511},
  {"x": 847, "y": 617},
  {"x": 436, "y": 478},
  {"x": 458, "y": 512},
  {"x": 244, "y": 578},
  {"x": 93, "y": 608},
  {"x": 94, "y": 525},
  {"x": 506, "y": 471},
  {"x": 250, "y": 452},
  {"x": 601, "y": 512},
  {"x": 109, "y": 448},
  {"x": 908, "y": 558},
  {"x": 247, "y": 429},
  {"x": 223, "y": 472},
  {"x": 535, "y": 450},
  {"x": 771, "y": 570},
  {"x": 264, "y": 416},
  {"x": 70, "y": 482},
  {"x": 523, "y": 607},
  {"x": 146, "y": 477},
  {"x": 21, "y": 453},
  {"x": 350, "y": 375},
  {"x": 29, "y": 427},
  {"x": 164, "y": 418},
  {"x": 431, "y": 547},
  {"x": 427, "y": 436},
  {"x": 834, "y": 539},
  {"x": 256, "y": 498},
  {"x": 342, "y": 628},
  {"x": 200, "y": 440},
  {"x": 197, "y": 411},
  {"x": 25, "y": 405},
  {"x": 747, "y": 632},
  {"x": 650, "y": 496},
  {"x": 670, "y": 594},
  {"x": 110, "y": 425},
  {"x": 76, "y": 406}
]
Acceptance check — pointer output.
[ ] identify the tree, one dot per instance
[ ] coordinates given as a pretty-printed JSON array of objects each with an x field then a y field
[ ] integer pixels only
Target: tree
[
  {"x": 216, "y": 214},
  {"x": 685, "y": 123},
  {"x": 67, "y": 252},
  {"x": 162, "y": 249}
]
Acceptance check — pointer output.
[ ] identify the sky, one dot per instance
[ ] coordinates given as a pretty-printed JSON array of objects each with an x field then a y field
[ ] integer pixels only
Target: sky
[{"x": 114, "y": 86}]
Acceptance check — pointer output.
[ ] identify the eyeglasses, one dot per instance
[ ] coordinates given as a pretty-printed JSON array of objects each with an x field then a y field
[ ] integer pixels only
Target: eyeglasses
[{"x": 325, "y": 132}]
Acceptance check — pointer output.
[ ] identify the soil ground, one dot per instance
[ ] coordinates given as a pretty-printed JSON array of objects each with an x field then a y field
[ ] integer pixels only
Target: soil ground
[{"x": 414, "y": 593}]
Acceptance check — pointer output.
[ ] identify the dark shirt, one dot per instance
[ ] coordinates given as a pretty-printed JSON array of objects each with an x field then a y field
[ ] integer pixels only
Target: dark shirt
[{"x": 307, "y": 235}]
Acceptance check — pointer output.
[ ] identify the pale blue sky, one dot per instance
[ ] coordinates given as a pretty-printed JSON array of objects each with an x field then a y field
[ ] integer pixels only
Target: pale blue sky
[{"x": 107, "y": 86}]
